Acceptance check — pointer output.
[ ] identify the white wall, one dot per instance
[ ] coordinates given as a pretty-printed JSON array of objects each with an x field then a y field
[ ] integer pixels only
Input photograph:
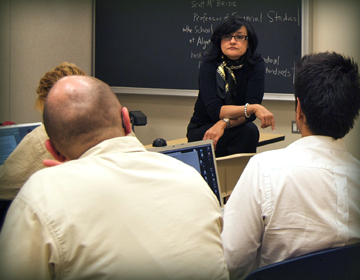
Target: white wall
[
  {"x": 4, "y": 60},
  {"x": 37, "y": 35},
  {"x": 337, "y": 28}
]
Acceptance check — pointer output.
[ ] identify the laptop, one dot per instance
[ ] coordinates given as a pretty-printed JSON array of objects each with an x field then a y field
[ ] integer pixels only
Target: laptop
[
  {"x": 10, "y": 137},
  {"x": 201, "y": 156}
]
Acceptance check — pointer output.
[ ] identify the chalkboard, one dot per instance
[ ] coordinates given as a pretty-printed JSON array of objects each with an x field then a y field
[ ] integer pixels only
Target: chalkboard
[{"x": 158, "y": 45}]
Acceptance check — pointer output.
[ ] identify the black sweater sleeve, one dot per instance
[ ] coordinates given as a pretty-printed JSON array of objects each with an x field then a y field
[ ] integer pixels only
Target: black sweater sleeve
[
  {"x": 255, "y": 86},
  {"x": 207, "y": 90}
]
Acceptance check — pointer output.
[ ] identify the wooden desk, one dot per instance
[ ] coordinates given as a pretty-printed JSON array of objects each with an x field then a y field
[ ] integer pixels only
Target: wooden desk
[
  {"x": 170, "y": 142},
  {"x": 265, "y": 139},
  {"x": 230, "y": 167},
  {"x": 270, "y": 138}
]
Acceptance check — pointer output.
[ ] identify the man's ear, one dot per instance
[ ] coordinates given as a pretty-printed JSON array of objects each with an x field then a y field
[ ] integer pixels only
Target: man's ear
[
  {"x": 54, "y": 152},
  {"x": 299, "y": 112},
  {"x": 126, "y": 120}
]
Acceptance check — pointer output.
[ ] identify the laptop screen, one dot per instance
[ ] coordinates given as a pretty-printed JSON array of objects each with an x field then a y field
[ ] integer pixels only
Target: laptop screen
[
  {"x": 10, "y": 137},
  {"x": 200, "y": 155}
]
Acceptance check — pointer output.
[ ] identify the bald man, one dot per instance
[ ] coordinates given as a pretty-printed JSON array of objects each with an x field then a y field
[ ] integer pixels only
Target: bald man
[{"x": 111, "y": 210}]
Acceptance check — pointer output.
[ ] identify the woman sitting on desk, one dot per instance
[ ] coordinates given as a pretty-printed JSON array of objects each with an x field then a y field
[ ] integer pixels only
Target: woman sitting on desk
[{"x": 231, "y": 89}]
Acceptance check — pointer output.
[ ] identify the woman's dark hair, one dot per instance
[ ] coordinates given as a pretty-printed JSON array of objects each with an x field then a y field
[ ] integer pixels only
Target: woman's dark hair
[
  {"x": 231, "y": 25},
  {"x": 328, "y": 87}
]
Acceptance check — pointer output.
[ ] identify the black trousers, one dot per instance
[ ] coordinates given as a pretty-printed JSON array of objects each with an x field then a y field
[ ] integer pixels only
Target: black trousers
[{"x": 240, "y": 139}]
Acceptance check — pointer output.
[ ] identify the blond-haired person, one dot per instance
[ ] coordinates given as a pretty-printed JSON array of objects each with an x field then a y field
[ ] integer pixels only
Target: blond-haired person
[{"x": 28, "y": 156}]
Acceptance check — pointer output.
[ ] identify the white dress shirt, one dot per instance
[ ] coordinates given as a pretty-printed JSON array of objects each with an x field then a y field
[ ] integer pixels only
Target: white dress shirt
[
  {"x": 290, "y": 202},
  {"x": 118, "y": 212}
]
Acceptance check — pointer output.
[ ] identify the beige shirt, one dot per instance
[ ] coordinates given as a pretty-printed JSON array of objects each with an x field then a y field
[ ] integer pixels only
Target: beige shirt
[
  {"x": 24, "y": 161},
  {"x": 119, "y": 212},
  {"x": 290, "y": 202}
]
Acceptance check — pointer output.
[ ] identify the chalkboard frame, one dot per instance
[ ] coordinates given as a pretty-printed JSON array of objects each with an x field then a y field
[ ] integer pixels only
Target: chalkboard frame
[{"x": 306, "y": 47}]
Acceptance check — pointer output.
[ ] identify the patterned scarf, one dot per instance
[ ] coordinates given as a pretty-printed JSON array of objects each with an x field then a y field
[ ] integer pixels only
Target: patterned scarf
[{"x": 226, "y": 81}]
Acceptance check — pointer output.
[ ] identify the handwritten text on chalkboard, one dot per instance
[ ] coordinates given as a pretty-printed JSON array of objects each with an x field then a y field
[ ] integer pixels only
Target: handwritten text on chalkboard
[
  {"x": 200, "y": 34},
  {"x": 160, "y": 44}
]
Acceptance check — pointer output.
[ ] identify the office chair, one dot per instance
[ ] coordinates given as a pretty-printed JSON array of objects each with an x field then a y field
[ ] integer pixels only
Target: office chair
[{"x": 335, "y": 263}]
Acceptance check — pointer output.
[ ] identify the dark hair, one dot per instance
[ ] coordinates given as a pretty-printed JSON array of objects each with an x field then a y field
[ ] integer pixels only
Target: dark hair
[
  {"x": 229, "y": 26},
  {"x": 328, "y": 88}
]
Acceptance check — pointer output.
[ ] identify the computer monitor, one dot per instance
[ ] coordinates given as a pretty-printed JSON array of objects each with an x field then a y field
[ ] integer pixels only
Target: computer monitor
[
  {"x": 201, "y": 156},
  {"x": 10, "y": 137}
]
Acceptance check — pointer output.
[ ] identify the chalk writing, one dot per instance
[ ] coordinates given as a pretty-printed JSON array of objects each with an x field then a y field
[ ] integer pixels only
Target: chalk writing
[
  {"x": 276, "y": 17},
  {"x": 200, "y": 4},
  {"x": 212, "y": 4},
  {"x": 177, "y": 36},
  {"x": 252, "y": 18},
  {"x": 202, "y": 42},
  {"x": 206, "y": 18},
  {"x": 220, "y": 3},
  {"x": 275, "y": 61},
  {"x": 200, "y": 29},
  {"x": 196, "y": 55},
  {"x": 287, "y": 73},
  {"x": 187, "y": 29},
  {"x": 278, "y": 72}
]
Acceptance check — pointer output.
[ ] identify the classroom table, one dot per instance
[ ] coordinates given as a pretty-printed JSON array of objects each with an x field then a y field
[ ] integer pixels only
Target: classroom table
[
  {"x": 265, "y": 139},
  {"x": 229, "y": 168}
]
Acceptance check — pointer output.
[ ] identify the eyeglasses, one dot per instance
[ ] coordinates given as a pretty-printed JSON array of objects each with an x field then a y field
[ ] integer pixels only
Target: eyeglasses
[{"x": 238, "y": 38}]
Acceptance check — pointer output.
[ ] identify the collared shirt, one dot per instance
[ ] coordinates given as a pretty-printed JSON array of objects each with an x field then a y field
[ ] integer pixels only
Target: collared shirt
[
  {"x": 118, "y": 212},
  {"x": 290, "y": 202}
]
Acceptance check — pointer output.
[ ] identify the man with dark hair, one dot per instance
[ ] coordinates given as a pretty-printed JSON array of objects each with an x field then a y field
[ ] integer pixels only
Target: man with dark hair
[
  {"x": 305, "y": 197},
  {"x": 112, "y": 210},
  {"x": 327, "y": 88}
]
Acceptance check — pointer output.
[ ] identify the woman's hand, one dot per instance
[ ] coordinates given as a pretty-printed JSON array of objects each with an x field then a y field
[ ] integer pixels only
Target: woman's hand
[
  {"x": 215, "y": 132},
  {"x": 264, "y": 115}
]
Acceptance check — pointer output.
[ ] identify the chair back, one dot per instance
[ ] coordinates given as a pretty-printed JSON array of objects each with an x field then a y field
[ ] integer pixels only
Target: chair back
[
  {"x": 229, "y": 170},
  {"x": 335, "y": 263}
]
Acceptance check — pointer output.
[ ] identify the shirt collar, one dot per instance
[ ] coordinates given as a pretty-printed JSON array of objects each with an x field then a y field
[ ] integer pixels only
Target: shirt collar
[
  {"x": 125, "y": 144},
  {"x": 317, "y": 141}
]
